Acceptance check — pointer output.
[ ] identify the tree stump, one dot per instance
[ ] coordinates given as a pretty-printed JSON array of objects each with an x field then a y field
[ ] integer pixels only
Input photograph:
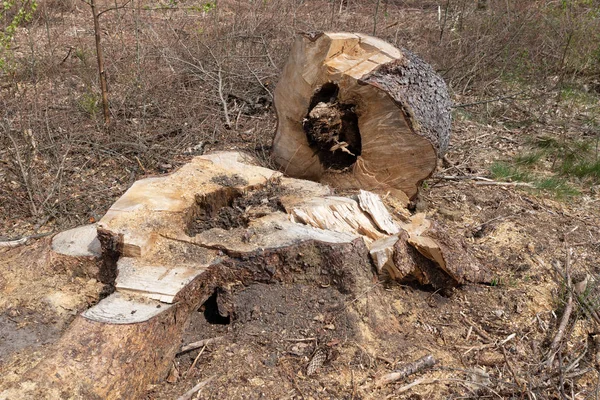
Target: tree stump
[
  {"x": 355, "y": 112},
  {"x": 172, "y": 242}
]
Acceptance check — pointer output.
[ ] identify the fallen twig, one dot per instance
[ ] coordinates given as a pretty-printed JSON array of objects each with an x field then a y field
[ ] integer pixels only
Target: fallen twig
[
  {"x": 481, "y": 180},
  {"x": 404, "y": 372},
  {"x": 480, "y": 347},
  {"x": 493, "y": 220},
  {"x": 507, "y": 97},
  {"x": 309, "y": 339},
  {"x": 420, "y": 381},
  {"x": 188, "y": 395},
  {"x": 480, "y": 384},
  {"x": 23, "y": 240},
  {"x": 479, "y": 331},
  {"x": 554, "y": 347},
  {"x": 495, "y": 183},
  {"x": 200, "y": 343},
  {"x": 512, "y": 371},
  {"x": 462, "y": 178},
  {"x": 508, "y": 338},
  {"x": 195, "y": 360}
]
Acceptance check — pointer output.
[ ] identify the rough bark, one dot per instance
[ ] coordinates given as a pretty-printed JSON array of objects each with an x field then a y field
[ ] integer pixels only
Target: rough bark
[{"x": 355, "y": 112}]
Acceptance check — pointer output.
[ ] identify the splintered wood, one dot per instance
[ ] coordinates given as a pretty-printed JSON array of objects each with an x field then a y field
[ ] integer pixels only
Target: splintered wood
[{"x": 419, "y": 249}]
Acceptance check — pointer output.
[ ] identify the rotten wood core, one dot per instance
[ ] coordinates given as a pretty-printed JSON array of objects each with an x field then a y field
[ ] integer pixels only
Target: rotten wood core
[
  {"x": 355, "y": 112},
  {"x": 332, "y": 129},
  {"x": 176, "y": 243}
]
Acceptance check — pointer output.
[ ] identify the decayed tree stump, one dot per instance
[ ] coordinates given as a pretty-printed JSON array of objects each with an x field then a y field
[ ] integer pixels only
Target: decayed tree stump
[
  {"x": 175, "y": 241},
  {"x": 355, "y": 112}
]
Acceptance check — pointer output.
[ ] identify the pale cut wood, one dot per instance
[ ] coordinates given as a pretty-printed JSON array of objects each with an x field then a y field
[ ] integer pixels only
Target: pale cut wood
[
  {"x": 78, "y": 242},
  {"x": 119, "y": 308},
  {"x": 337, "y": 214},
  {"x": 382, "y": 251},
  {"x": 269, "y": 232},
  {"x": 417, "y": 224},
  {"x": 157, "y": 282},
  {"x": 371, "y": 204},
  {"x": 356, "y": 112}
]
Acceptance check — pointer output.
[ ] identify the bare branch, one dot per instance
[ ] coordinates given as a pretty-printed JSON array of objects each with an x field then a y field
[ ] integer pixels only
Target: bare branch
[
  {"x": 113, "y": 8},
  {"x": 24, "y": 174}
]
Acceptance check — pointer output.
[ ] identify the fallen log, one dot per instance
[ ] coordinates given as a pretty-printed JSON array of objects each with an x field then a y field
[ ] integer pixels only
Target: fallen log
[{"x": 355, "y": 112}]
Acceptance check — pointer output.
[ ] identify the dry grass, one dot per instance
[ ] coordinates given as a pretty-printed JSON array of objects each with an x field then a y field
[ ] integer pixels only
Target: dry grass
[{"x": 187, "y": 75}]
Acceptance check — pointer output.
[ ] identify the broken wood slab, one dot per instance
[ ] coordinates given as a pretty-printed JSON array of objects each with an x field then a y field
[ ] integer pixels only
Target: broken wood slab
[
  {"x": 78, "y": 251},
  {"x": 445, "y": 261},
  {"x": 355, "y": 112}
]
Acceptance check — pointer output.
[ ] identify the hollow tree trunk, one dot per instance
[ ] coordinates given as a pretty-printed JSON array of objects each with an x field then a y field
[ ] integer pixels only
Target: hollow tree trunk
[{"x": 355, "y": 112}]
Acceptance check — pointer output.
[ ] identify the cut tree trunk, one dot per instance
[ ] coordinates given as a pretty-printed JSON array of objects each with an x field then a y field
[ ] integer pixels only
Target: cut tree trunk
[
  {"x": 355, "y": 112},
  {"x": 173, "y": 242}
]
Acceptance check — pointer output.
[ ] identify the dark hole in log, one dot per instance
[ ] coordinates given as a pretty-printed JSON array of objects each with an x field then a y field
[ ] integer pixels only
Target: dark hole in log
[
  {"x": 210, "y": 308},
  {"x": 331, "y": 128},
  {"x": 230, "y": 208},
  {"x": 214, "y": 210}
]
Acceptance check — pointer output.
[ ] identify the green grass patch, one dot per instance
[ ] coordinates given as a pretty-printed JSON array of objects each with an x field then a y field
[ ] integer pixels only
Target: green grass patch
[
  {"x": 555, "y": 185},
  {"x": 558, "y": 186},
  {"x": 581, "y": 168},
  {"x": 505, "y": 172},
  {"x": 89, "y": 104},
  {"x": 568, "y": 158},
  {"x": 545, "y": 142},
  {"x": 529, "y": 158}
]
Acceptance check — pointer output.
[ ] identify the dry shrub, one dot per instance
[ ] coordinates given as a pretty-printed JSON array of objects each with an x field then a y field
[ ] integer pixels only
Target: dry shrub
[
  {"x": 523, "y": 41},
  {"x": 186, "y": 76}
]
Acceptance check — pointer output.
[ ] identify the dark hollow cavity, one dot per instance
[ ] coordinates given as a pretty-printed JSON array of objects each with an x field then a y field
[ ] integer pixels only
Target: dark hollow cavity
[{"x": 331, "y": 128}]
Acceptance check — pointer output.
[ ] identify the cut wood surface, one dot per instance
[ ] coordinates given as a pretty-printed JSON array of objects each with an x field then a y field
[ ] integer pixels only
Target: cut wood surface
[
  {"x": 80, "y": 251},
  {"x": 355, "y": 112},
  {"x": 175, "y": 240}
]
